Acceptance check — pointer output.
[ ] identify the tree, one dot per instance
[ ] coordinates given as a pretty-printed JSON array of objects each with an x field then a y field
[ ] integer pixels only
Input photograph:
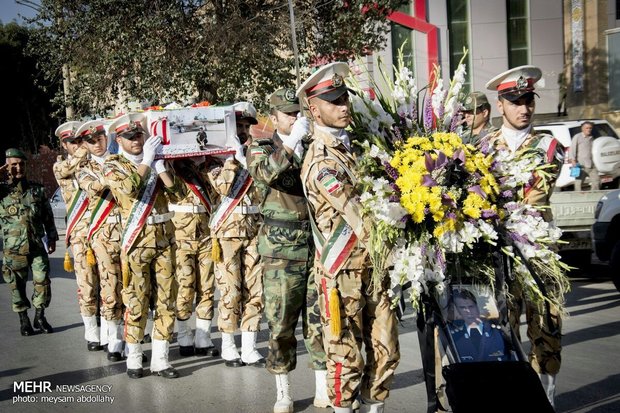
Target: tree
[
  {"x": 25, "y": 107},
  {"x": 218, "y": 50}
]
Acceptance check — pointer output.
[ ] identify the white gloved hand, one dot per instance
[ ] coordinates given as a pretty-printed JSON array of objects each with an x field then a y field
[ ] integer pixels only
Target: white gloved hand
[
  {"x": 234, "y": 143},
  {"x": 159, "y": 166},
  {"x": 149, "y": 149},
  {"x": 301, "y": 128}
]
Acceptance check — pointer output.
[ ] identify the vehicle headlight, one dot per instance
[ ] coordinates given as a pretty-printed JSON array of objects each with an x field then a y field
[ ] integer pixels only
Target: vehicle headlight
[{"x": 597, "y": 211}]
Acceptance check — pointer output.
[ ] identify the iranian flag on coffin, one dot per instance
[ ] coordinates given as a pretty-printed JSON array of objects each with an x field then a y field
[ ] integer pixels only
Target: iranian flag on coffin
[{"x": 189, "y": 132}]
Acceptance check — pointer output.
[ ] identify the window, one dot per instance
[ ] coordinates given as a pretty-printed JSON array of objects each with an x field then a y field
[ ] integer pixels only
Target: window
[
  {"x": 617, "y": 9},
  {"x": 518, "y": 33},
  {"x": 402, "y": 37},
  {"x": 458, "y": 37}
]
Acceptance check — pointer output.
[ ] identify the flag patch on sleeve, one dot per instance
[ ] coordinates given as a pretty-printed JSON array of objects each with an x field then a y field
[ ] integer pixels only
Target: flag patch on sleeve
[{"x": 329, "y": 179}]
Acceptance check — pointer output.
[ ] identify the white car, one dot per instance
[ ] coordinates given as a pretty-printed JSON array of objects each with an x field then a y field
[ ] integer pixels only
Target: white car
[
  {"x": 605, "y": 149},
  {"x": 59, "y": 209}
]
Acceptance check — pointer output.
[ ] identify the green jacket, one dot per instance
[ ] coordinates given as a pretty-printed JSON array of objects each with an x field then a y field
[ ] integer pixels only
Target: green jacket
[{"x": 25, "y": 217}]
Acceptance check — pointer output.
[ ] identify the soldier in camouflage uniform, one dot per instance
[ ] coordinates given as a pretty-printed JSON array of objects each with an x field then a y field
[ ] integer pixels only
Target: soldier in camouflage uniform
[
  {"x": 194, "y": 264},
  {"x": 26, "y": 218},
  {"x": 235, "y": 226},
  {"x": 143, "y": 188},
  {"x": 103, "y": 233},
  {"x": 477, "y": 118},
  {"x": 78, "y": 217},
  {"x": 516, "y": 103},
  {"x": 350, "y": 307},
  {"x": 286, "y": 250}
]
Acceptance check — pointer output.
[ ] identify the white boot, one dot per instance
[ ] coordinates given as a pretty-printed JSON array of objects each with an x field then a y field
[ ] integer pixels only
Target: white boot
[
  {"x": 229, "y": 349},
  {"x": 115, "y": 341},
  {"x": 343, "y": 409},
  {"x": 185, "y": 338},
  {"x": 321, "y": 399},
  {"x": 204, "y": 345},
  {"x": 159, "y": 360},
  {"x": 249, "y": 354},
  {"x": 284, "y": 403},
  {"x": 371, "y": 407},
  {"x": 548, "y": 383},
  {"x": 91, "y": 333},
  {"x": 134, "y": 356},
  {"x": 102, "y": 332}
]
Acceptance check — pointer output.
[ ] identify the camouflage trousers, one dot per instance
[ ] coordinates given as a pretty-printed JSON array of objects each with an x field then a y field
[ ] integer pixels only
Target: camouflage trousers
[
  {"x": 545, "y": 353},
  {"x": 106, "y": 245},
  {"x": 151, "y": 280},
  {"x": 238, "y": 279},
  {"x": 15, "y": 273},
  {"x": 365, "y": 318},
  {"x": 195, "y": 277},
  {"x": 289, "y": 291},
  {"x": 86, "y": 276}
]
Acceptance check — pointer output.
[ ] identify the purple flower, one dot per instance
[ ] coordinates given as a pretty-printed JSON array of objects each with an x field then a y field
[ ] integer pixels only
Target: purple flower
[
  {"x": 455, "y": 122},
  {"x": 390, "y": 170},
  {"x": 446, "y": 200},
  {"x": 488, "y": 213},
  {"x": 440, "y": 259},
  {"x": 428, "y": 113},
  {"x": 428, "y": 181},
  {"x": 394, "y": 198},
  {"x": 476, "y": 189},
  {"x": 460, "y": 155},
  {"x": 507, "y": 194},
  {"x": 451, "y": 215},
  {"x": 518, "y": 238}
]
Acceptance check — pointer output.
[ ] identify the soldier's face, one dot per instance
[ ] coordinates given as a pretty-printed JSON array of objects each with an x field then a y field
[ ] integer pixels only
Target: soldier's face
[
  {"x": 283, "y": 122},
  {"x": 73, "y": 146},
  {"x": 475, "y": 118},
  {"x": 468, "y": 310},
  {"x": 334, "y": 114},
  {"x": 132, "y": 144},
  {"x": 243, "y": 130},
  {"x": 97, "y": 144},
  {"x": 16, "y": 168},
  {"x": 518, "y": 114}
]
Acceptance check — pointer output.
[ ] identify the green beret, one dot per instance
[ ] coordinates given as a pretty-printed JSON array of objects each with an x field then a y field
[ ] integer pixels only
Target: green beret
[{"x": 15, "y": 153}]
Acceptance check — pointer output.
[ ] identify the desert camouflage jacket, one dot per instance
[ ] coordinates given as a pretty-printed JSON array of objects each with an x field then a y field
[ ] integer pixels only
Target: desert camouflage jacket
[{"x": 65, "y": 172}]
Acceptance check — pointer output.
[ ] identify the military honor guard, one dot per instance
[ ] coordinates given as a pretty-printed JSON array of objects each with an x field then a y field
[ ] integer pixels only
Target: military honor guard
[
  {"x": 103, "y": 233},
  {"x": 143, "y": 188},
  {"x": 350, "y": 311},
  {"x": 26, "y": 220},
  {"x": 78, "y": 218},
  {"x": 477, "y": 118},
  {"x": 286, "y": 249},
  {"x": 194, "y": 264},
  {"x": 234, "y": 229},
  {"x": 516, "y": 103}
]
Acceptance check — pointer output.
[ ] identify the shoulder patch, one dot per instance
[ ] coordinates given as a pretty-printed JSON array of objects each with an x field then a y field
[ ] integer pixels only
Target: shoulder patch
[{"x": 329, "y": 179}]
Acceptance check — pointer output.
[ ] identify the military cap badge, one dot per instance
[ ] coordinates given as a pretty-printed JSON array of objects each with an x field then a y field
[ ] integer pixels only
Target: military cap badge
[
  {"x": 337, "y": 80},
  {"x": 289, "y": 95}
]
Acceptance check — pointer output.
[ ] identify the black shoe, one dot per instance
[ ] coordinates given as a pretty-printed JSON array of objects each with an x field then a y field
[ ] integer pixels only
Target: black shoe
[
  {"x": 25, "y": 328},
  {"x": 116, "y": 356},
  {"x": 260, "y": 363},
  {"x": 41, "y": 323},
  {"x": 104, "y": 347},
  {"x": 186, "y": 351},
  {"x": 93, "y": 346},
  {"x": 207, "y": 351},
  {"x": 144, "y": 358},
  {"x": 234, "y": 363},
  {"x": 146, "y": 339},
  {"x": 169, "y": 373},
  {"x": 135, "y": 373}
]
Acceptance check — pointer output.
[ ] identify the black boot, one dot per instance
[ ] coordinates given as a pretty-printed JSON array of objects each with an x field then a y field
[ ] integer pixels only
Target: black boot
[
  {"x": 41, "y": 323},
  {"x": 24, "y": 321}
]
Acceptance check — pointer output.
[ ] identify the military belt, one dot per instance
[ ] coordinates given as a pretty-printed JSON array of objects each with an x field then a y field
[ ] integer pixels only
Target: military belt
[
  {"x": 196, "y": 209},
  {"x": 301, "y": 225},
  {"x": 159, "y": 218},
  {"x": 246, "y": 209}
]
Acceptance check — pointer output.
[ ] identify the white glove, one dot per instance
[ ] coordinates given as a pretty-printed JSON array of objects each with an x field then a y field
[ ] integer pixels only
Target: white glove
[
  {"x": 149, "y": 149},
  {"x": 159, "y": 166},
  {"x": 234, "y": 143},
  {"x": 301, "y": 128}
]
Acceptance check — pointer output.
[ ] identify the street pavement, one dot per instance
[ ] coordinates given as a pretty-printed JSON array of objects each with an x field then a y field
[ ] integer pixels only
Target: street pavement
[{"x": 83, "y": 381}]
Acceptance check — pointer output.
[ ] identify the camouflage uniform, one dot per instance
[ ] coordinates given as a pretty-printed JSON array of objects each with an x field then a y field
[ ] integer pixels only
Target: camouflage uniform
[
  {"x": 26, "y": 218},
  {"x": 545, "y": 353},
  {"x": 471, "y": 139},
  {"x": 238, "y": 275},
  {"x": 105, "y": 241},
  {"x": 365, "y": 315},
  {"x": 151, "y": 258},
  {"x": 286, "y": 251},
  {"x": 87, "y": 278}
]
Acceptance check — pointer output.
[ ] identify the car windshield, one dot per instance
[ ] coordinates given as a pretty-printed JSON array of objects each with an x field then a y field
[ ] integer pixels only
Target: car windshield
[{"x": 601, "y": 129}]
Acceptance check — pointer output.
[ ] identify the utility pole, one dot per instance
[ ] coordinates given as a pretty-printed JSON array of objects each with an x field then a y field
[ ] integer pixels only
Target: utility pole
[{"x": 294, "y": 37}]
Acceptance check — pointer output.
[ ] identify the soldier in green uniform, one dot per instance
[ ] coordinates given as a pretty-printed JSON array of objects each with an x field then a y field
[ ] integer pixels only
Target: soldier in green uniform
[
  {"x": 476, "y": 116},
  {"x": 286, "y": 250},
  {"x": 26, "y": 218}
]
